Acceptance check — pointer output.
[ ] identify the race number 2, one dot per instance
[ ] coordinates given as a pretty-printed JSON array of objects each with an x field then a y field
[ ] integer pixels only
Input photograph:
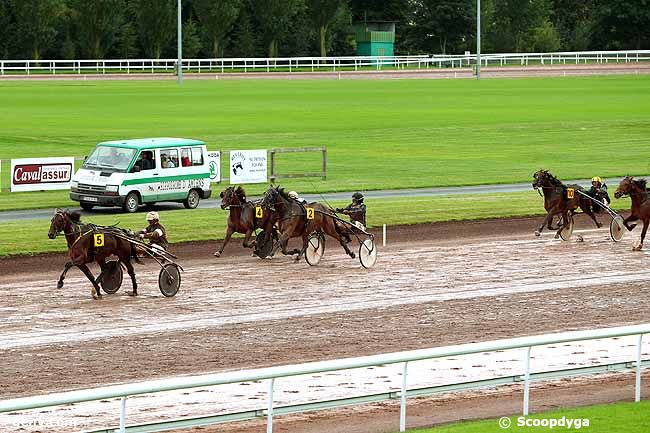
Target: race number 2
[
  {"x": 259, "y": 212},
  {"x": 99, "y": 240},
  {"x": 570, "y": 192},
  {"x": 310, "y": 213}
]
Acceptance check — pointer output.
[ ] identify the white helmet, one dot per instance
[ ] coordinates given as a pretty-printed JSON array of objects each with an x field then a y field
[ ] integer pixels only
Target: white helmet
[
  {"x": 293, "y": 195},
  {"x": 151, "y": 216}
]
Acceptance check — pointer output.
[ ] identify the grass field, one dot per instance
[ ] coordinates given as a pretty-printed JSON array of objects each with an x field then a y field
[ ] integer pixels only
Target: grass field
[
  {"x": 610, "y": 418},
  {"x": 379, "y": 133},
  {"x": 30, "y": 236}
]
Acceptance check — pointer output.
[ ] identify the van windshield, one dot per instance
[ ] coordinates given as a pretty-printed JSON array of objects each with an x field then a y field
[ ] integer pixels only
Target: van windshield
[{"x": 110, "y": 158}]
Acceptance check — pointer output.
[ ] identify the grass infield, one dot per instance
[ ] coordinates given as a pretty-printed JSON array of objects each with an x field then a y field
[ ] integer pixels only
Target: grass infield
[{"x": 379, "y": 133}]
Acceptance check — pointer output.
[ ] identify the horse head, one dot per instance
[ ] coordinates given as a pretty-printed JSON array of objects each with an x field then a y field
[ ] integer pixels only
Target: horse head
[
  {"x": 271, "y": 197},
  {"x": 539, "y": 177},
  {"x": 630, "y": 186},
  {"x": 228, "y": 197},
  {"x": 62, "y": 222}
]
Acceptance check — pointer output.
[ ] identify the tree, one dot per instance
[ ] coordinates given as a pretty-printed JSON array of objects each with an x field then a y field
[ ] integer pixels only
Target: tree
[
  {"x": 36, "y": 22},
  {"x": 98, "y": 23},
  {"x": 6, "y": 24},
  {"x": 274, "y": 18},
  {"x": 545, "y": 39},
  {"x": 156, "y": 24},
  {"x": 513, "y": 22},
  {"x": 323, "y": 12},
  {"x": 191, "y": 39},
  {"x": 622, "y": 24},
  {"x": 217, "y": 18},
  {"x": 443, "y": 25},
  {"x": 573, "y": 20}
]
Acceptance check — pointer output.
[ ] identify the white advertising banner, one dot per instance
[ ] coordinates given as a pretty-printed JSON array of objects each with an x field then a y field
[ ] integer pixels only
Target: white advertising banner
[
  {"x": 248, "y": 166},
  {"x": 38, "y": 174},
  {"x": 214, "y": 164}
]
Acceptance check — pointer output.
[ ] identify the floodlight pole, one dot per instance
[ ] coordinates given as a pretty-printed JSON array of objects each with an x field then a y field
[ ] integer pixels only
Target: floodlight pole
[
  {"x": 179, "y": 62},
  {"x": 478, "y": 39}
]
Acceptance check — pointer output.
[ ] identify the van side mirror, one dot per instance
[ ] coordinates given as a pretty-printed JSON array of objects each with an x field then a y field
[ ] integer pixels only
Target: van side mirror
[{"x": 135, "y": 169}]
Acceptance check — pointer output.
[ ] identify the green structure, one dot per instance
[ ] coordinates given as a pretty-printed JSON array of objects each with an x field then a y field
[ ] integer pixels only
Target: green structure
[{"x": 375, "y": 38}]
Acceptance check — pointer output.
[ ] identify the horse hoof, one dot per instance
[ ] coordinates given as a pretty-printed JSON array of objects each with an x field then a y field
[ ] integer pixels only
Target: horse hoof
[
  {"x": 538, "y": 233},
  {"x": 132, "y": 293},
  {"x": 59, "y": 285},
  {"x": 217, "y": 254},
  {"x": 556, "y": 236},
  {"x": 353, "y": 255}
]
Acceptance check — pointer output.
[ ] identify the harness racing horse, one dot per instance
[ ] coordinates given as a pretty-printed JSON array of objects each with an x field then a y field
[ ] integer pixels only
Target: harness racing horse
[
  {"x": 558, "y": 202},
  {"x": 293, "y": 221},
  {"x": 638, "y": 193},
  {"x": 82, "y": 250},
  {"x": 243, "y": 217}
]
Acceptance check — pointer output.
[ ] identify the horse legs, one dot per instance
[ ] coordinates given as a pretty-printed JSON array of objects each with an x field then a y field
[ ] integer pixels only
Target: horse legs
[
  {"x": 66, "y": 268},
  {"x": 547, "y": 220},
  {"x": 131, "y": 271},
  {"x": 247, "y": 239},
  {"x": 628, "y": 219},
  {"x": 95, "y": 290},
  {"x": 229, "y": 233},
  {"x": 565, "y": 218}
]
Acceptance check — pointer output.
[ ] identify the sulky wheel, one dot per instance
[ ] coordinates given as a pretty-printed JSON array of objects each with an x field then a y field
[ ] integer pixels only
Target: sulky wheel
[
  {"x": 315, "y": 248},
  {"x": 169, "y": 279},
  {"x": 112, "y": 276},
  {"x": 368, "y": 253},
  {"x": 616, "y": 228},
  {"x": 567, "y": 230},
  {"x": 263, "y": 246}
]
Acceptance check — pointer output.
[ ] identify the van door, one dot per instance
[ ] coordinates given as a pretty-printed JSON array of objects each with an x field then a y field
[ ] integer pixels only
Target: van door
[
  {"x": 144, "y": 181},
  {"x": 171, "y": 183}
]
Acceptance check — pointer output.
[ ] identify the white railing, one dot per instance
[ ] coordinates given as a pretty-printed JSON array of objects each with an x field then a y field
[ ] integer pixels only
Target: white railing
[
  {"x": 273, "y": 373},
  {"x": 312, "y": 64}
]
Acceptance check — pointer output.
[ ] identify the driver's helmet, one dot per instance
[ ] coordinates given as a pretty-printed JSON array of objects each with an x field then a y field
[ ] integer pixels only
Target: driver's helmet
[
  {"x": 153, "y": 216},
  {"x": 597, "y": 179},
  {"x": 293, "y": 195},
  {"x": 357, "y": 196}
]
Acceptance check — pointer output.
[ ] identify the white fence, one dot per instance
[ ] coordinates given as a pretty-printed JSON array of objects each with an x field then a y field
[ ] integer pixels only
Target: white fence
[
  {"x": 312, "y": 64},
  {"x": 273, "y": 373}
]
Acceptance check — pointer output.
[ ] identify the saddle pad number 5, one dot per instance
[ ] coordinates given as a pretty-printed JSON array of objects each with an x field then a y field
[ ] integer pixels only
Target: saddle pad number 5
[
  {"x": 310, "y": 213},
  {"x": 259, "y": 212},
  {"x": 570, "y": 192},
  {"x": 99, "y": 240}
]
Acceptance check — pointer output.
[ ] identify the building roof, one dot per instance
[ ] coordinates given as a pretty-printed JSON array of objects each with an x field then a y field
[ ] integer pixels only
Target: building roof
[{"x": 152, "y": 143}]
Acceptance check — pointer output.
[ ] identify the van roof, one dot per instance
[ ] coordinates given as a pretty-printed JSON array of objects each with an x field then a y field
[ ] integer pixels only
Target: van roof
[{"x": 152, "y": 143}]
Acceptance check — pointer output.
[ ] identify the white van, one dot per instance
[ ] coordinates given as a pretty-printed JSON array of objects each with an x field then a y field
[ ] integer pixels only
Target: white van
[{"x": 129, "y": 173}]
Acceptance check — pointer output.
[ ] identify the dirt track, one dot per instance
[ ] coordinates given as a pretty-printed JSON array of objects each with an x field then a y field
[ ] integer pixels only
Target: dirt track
[{"x": 434, "y": 285}]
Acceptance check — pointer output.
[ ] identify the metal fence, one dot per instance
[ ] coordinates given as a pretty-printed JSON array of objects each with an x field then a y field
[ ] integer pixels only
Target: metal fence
[
  {"x": 312, "y": 64},
  {"x": 273, "y": 373}
]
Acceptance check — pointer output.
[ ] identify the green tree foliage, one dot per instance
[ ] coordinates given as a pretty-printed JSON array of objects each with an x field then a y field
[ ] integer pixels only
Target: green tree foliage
[
  {"x": 322, "y": 13},
  {"x": 191, "y": 39},
  {"x": 245, "y": 41},
  {"x": 6, "y": 28},
  {"x": 155, "y": 21},
  {"x": 274, "y": 18},
  {"x": 36, "y": 23},
  {"x": 217, "y": 17},
  {"x": 622, "y": 24},
  {"x": 98, "y": 23},
  {"x": 545, "y": 39},
  {"x": 442, "y": 26},
  {"x": 573, "y": 20}
]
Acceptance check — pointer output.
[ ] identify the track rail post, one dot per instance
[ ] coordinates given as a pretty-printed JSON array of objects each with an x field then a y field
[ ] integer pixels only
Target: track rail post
[
  {"x": 269, "y": 413},
  {"x": 637, "y": 385},
  {"x": 123, "y": 415},
  {"x": 402, "y": 406},
  {"x": 527, "y": 381}
]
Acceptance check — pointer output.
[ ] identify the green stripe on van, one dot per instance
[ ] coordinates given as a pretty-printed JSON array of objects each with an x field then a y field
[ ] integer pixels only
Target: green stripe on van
[{"x": 166, "y": 179}]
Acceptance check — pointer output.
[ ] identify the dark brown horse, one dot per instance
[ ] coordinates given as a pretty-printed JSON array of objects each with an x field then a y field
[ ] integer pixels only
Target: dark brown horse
[
  {"x": 81, "y": 247},
  {"x": 293, "y": 219},
  {"x": 638, "y": 193},
  {"x": 559, "y": 200},
  {"x": 244, "y": 217}
]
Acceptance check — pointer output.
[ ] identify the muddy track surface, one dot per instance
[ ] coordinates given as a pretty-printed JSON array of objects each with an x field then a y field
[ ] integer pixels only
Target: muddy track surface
[{"x": 433, "y": 285}]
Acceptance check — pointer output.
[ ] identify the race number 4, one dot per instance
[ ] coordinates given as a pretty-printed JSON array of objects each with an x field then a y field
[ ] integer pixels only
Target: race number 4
[
  {"x": 310, "y": 213},
  {"x": 99, "y": 240},
  {"x": 570, "y": 192},
  {"x": 259, "y": 212}
]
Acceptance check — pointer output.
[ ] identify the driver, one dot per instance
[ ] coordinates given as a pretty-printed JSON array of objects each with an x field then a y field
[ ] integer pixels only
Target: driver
[
  {"x": 598, "y": 191},
  {"x": 355, "y": 210},
  {"x": 294, "y": 196},
  {"x": 155, "y": 232}
]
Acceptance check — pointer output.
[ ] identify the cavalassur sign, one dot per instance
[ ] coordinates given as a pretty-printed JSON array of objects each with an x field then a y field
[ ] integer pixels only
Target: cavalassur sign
[{"x": 38, "y": 174}]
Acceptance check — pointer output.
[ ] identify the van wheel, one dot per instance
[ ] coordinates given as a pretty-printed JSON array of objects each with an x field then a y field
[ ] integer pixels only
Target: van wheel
[
  {"x": 131, "y": 203},
  {"x": 86, "y": 206},
  {"x": 192, "y": 200}
]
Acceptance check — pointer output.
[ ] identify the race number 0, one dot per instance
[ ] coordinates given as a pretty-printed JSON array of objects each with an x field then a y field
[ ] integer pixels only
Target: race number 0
[
  {"x": 310, "y": 213},
  {"x": 99, "y": 240},
  {"x": 570, "y": 192},
  {"x": 259, "y": 212}
]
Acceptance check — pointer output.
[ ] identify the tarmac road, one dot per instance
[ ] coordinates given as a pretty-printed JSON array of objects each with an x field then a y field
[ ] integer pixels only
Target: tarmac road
[{"x": 31, "y": 214}]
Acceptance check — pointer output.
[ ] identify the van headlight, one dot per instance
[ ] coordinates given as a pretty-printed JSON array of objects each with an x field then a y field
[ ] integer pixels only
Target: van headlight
[
  {"x": 112, "y": 188},
  {"x": 74, "y": 184}
]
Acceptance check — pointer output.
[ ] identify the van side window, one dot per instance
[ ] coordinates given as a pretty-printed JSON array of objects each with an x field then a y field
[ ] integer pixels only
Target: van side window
[
  {"x": 146, "y": 160},
  {"x": 169, "y": 158},
  {"x": 197, "y": 156},
  {"x": 185, "y": 157}
]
